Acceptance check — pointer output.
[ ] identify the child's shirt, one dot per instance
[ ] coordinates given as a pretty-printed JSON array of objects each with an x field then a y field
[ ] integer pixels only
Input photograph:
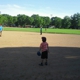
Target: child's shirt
[{"x": 44, "y": 46}]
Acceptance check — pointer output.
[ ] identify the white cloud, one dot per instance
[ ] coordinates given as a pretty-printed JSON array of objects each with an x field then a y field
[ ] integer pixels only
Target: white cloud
[
  {"x": 14, "y": 10},
  {"x": 16, "y": 6}
]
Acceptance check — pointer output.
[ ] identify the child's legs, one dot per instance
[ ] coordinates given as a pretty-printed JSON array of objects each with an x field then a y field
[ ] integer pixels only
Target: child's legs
[
  {"x": 42, "y": 60},
  {"x": 46, "y": 60},
  {"x": 44, "y": 55}
]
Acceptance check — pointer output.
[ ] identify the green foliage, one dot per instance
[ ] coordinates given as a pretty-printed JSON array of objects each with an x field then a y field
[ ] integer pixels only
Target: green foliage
[
  {"x": 66, "y": 22},
  {"x": 72, "y": 22},
  {"x": 37, "y": 20},
  {"x": 57, "y": 22},
  {"x": 46, "y": 21},
  {"x": 21, "y": 20},
  {"x": 29, "y": 20},
  {"x": 0, "y": 19},
  {"x": 75, "y": 21}
]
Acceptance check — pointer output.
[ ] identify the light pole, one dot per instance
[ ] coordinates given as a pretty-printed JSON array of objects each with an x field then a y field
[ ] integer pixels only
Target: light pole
[
  {"x": 0, "y": 12},
  {"x": 51, "y": 15}
]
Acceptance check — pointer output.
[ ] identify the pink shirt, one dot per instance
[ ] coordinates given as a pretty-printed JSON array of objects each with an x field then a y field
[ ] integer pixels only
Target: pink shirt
[{"x": 44, "y": 46}]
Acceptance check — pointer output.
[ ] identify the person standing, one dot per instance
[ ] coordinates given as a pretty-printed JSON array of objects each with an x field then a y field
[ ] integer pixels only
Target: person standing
[
  {"x": 44, "y": 51},
  {"x": 1, "y": 28},
  {"x": 40, "y": 30}
]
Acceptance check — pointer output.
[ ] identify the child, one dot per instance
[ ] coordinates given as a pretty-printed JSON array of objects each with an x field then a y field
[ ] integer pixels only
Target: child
[{"x": 44, "y": 49}]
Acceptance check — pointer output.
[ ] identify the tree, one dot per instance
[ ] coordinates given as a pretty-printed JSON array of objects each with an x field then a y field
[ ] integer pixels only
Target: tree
[
  {"x": 66, "y": 22},
  {"x": 0, "y": 19},
  {"x": 7, "y": 20},
  {"x": 29, "y": 20},
  {"x": 14, "y": 20},
  {"x": 37, "y": 20},
  {"x": 75, "y": 21},
  {"x": 56, "y": 21},
  {"x": 3, "y": 19},
  {"x": 46, "y": 21}
]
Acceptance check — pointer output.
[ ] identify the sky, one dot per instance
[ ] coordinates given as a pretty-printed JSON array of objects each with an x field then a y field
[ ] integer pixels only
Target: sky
[{"x": 50, "y": 8}]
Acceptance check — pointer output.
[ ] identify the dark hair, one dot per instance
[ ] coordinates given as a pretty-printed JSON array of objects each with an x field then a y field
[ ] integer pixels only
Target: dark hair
[{"x": 44, "y": 39}]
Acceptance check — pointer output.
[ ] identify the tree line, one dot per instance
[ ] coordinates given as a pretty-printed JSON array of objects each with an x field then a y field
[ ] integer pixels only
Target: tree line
[{"x": 21, "y": 20}]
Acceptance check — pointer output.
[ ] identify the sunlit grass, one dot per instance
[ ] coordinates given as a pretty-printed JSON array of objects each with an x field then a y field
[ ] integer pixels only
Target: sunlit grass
[{"x": 48, "y": 30}]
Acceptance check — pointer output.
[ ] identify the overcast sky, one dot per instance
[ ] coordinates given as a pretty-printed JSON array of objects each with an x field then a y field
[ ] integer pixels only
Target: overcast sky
[{"x": 59, "y": 8}]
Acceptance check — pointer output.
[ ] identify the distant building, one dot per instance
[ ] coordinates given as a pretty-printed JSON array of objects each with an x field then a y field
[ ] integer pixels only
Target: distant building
[{"x": 28, "y": 26}]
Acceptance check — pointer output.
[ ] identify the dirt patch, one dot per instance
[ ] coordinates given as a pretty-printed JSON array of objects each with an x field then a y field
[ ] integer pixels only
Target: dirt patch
[
  {"x": 17, "y": 39},
  {"x": 18, "y": 59}
]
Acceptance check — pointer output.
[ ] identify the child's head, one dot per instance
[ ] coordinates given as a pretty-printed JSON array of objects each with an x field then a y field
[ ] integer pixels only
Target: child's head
[{"x": 44, "y": 39}]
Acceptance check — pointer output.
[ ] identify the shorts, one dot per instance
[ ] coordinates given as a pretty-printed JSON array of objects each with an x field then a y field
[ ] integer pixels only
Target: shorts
[{"x": 44, "y": 55}]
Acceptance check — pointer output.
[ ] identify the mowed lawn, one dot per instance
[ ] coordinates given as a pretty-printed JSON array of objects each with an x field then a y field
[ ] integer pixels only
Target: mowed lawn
[{"x": 48, "y": 30}]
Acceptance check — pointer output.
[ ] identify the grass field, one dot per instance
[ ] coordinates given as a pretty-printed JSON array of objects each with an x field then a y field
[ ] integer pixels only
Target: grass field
[{"x": 57, "y": 31}]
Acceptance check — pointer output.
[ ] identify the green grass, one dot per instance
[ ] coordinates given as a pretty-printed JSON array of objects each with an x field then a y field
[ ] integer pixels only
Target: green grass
[
  {"x": 21, "y": 29},
  {"x": 57, "y": 31}
]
